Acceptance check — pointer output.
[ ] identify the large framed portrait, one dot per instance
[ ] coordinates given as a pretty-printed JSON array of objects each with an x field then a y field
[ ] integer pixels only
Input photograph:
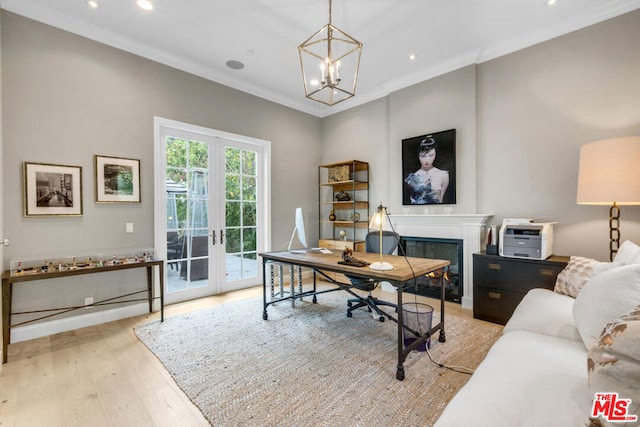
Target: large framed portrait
[
  {"x": 429, "y": 169},
  {"x": 52, "y": 190},
  {"x": 117, "y": 180}
]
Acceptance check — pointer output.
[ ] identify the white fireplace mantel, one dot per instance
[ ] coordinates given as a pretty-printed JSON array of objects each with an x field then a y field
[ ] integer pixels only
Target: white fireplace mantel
[{"x": 470, "y": 228}]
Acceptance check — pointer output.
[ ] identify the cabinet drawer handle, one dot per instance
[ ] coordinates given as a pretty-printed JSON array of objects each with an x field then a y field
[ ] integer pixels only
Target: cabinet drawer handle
[
  {"x": 495, "y": 266},
  {"x": 495, "y": 295},
  {"x": 544, "y": 272}
]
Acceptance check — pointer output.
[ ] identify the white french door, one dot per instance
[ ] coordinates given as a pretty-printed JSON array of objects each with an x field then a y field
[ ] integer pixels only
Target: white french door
[{"x": 211, "y": 209}]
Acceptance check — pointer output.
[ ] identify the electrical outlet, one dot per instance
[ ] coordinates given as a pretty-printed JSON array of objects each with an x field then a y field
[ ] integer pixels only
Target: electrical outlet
[
  {"x": 128, "y": 228},
  {"x": 88, "y": 302}
]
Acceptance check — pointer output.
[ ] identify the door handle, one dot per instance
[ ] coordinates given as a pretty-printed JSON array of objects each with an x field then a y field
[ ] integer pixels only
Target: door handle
[
  {"x": 213, "y": 237},
  {"x": 221, "y": 237}
]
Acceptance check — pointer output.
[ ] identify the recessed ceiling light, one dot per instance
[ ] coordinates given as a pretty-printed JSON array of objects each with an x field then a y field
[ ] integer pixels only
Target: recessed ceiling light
[
  {"x": 93, "y": 4},
  {"x": 551, "y": 2},
  {"x": 235, "y": 65},
  {"x": 314, "y": 82},
  {"x": 145, "y": 4},
  {"x": 412, "y": 56}
]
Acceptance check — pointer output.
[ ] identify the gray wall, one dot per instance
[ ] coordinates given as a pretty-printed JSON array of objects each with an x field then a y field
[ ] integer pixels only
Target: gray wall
[
  {"x": 537, "y": 107},
  {"x": 520, "y": 121},
  {"x": 67, "y": 98},
  {"x": 445, "y": 102}
]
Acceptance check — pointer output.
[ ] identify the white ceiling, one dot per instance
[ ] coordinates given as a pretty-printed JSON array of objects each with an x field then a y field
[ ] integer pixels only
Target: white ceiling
[{"x": 200, "y": 36}]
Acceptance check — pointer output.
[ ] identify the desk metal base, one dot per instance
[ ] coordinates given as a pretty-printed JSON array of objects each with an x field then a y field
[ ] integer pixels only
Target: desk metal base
[{"x": 400, "y": 285}]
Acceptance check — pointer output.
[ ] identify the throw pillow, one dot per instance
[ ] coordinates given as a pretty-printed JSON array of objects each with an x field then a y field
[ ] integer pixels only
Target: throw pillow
[
  {"x": 614, "y": 367},
  {"x": 576, "y": 274},
  {"x": 628, "y": 253},
  {"x": 604, "y": 298}
]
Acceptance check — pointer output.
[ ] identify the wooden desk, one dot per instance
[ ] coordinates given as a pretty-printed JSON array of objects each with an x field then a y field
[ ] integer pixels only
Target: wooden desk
[
  {"x": 7, "y": 289},
  {"x": 401, "y": 277}
]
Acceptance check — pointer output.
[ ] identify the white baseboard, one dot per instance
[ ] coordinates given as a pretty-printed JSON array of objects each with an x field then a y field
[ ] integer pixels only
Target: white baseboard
[{"x": 37, "y": 330}]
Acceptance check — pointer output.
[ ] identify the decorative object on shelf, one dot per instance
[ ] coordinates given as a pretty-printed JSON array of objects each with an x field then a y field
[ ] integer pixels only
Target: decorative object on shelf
[
  {"x": 608, "y": 175},
  {"x": 52, "y": 190},
  {"x": 378, "y": 222},
  {"x": 429, "y": 169},
  {"x": 339, "y": 173},
  {"x": 117, "y": 180},
  {"x": 330, "y": 59},
  {"x": 343, "y": 234},
  {"x": 332, "y": 215},
  {"x": 38, "y": 264},
  {"x": 355, "y": 217},
  {"x": 341, "y": 196}
]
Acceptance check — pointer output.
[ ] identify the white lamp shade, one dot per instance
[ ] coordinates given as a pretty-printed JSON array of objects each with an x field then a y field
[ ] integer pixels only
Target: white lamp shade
[
  {"x": 610, "y": 172},
  {"x": 377, "y": 217}
]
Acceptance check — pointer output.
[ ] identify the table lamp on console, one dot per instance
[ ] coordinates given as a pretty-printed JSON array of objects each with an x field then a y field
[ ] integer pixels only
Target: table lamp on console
[{"x": 609, "y": 174}]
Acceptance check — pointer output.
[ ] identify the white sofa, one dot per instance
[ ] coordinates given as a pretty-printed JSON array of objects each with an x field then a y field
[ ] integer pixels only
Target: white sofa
[{"x": 537, "y": 373}]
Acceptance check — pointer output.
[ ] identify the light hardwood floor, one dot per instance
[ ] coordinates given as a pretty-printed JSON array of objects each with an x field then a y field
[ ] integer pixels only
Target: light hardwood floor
[{"x": 102, "y": 376}]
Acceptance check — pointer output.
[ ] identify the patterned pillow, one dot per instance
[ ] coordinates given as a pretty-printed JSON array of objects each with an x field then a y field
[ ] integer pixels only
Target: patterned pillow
[
  {"x": 613, "y": 366},
  {"x": 576, "y": 274}
]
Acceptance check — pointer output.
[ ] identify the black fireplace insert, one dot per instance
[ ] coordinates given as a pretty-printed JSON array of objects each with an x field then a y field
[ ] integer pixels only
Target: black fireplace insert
[{"x": 437, "y": 248}]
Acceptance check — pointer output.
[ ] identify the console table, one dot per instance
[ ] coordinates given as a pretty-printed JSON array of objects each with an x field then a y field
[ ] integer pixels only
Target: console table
[{"x": 7, "y": 289}]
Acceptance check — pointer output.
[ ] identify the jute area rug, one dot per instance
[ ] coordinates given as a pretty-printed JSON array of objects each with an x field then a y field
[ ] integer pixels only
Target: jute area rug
[{"x": 310, "y": 365}]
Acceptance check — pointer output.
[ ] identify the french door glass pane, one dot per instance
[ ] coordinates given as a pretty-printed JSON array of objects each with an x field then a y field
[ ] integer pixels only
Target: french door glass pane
[
  {"x": 249, "y": 214},
  {"x": 187, "y": 213},
  {"x": 240, "y": 213}
]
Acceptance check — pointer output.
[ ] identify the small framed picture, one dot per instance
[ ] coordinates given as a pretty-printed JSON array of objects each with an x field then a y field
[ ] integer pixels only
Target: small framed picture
[
  {"x": 52, "y": 190},
  {"x": 117, "y": 180}
]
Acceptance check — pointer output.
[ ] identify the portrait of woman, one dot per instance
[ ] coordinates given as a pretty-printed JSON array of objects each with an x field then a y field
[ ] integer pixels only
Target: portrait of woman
[{"x": 428, "y": 169}]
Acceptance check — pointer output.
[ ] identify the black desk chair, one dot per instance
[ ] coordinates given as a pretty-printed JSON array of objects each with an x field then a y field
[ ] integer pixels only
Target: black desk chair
[{"x": 390, "y": 241}]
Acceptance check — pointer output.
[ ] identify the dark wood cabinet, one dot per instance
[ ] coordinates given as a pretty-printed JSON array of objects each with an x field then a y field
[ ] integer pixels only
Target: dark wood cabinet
[{"x": 500, "y": 283}]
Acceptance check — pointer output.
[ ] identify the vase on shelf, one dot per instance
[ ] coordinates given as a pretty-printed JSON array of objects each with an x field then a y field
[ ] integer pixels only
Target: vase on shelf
[{"x": 332, "y": 216}]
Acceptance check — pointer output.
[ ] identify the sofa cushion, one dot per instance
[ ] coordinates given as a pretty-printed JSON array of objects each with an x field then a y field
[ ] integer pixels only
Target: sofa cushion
[
  {"x": 604, "y": 298},
  {"x": 628, "y": 253},
  {"x": 545, "y": 312},
  {"x": 527, "y": 379},
  {"x": 614, "y": 364},
  {"x": 576, "y": 274}
]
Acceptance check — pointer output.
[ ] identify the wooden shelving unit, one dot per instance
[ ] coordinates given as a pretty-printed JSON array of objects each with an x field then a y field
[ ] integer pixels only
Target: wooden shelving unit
[{"x": 352, "y": 216}]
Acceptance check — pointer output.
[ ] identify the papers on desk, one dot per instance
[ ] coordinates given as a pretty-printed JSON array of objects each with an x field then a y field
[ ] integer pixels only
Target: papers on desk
[{"x": 322, "y": 250}]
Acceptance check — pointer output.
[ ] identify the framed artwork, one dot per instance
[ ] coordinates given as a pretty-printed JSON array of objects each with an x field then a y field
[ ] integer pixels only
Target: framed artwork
[
  {"x": 52, "y": 190},
  {"x": 429, "y": 169},
  {"x": 117, "y": 180}
]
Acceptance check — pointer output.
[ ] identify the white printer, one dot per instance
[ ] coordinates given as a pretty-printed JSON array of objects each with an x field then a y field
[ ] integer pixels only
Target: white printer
[{"x": 522, "y": 238}]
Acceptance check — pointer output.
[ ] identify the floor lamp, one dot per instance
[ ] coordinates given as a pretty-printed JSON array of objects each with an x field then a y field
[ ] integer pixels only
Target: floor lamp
[
  {"x": 609, "y": 174},
  {"x": 378, "y": 222}
]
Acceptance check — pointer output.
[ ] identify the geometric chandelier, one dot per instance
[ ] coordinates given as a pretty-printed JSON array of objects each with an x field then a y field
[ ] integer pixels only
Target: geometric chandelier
[{"x": 330, "y": 60}]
